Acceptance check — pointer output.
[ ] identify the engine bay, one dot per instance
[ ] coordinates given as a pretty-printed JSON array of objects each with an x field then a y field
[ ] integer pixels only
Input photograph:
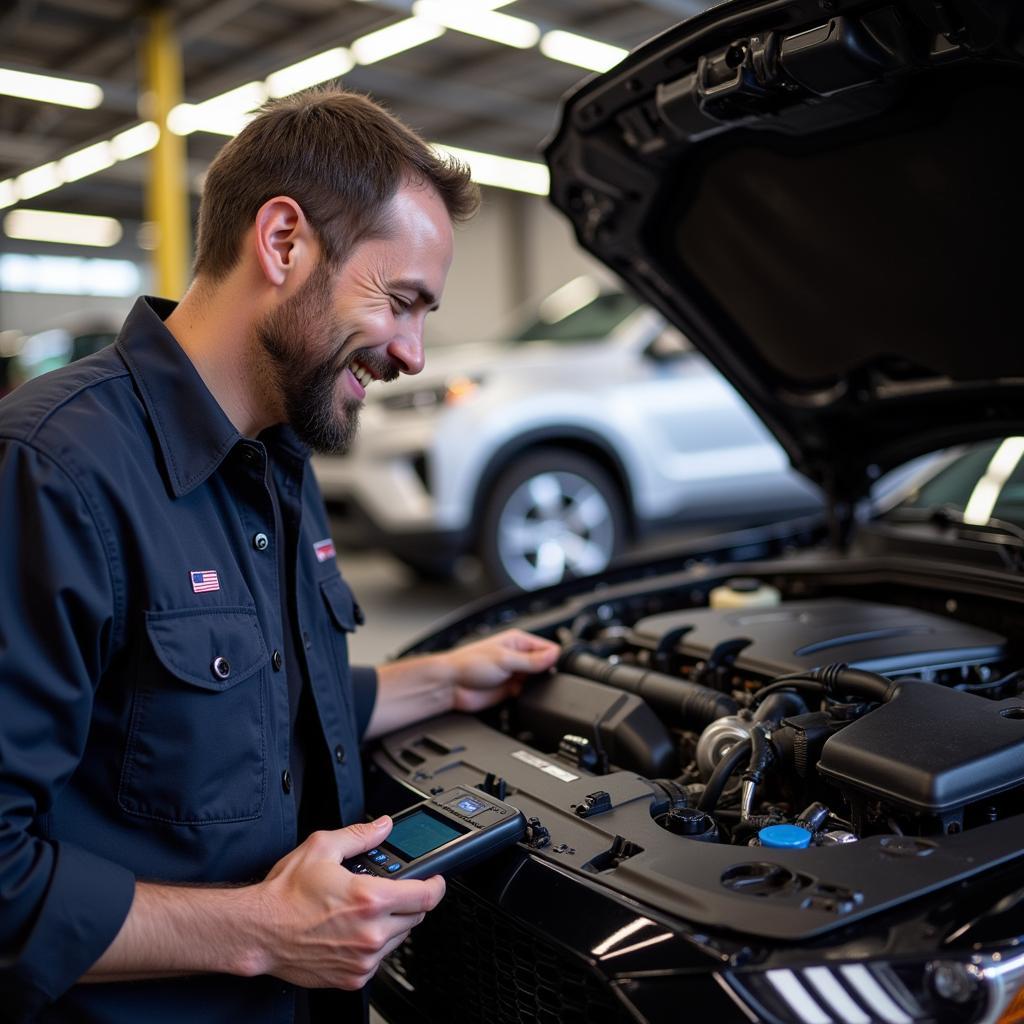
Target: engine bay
[{"x": 712, "y": 749}]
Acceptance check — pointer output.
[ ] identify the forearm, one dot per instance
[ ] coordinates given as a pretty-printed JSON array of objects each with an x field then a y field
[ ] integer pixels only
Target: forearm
[
  {"x": 174, "y": 930},
  {"x": 411, "y": 690}
]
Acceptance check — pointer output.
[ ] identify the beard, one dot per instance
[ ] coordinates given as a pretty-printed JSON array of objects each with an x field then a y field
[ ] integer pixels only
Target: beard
[{"x": 304, "y": 341}]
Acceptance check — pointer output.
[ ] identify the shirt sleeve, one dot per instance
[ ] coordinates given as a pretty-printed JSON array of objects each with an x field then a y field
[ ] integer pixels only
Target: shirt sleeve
[
  {"x": 364, "y": 689},
  {"x": 60, "y": 905}
]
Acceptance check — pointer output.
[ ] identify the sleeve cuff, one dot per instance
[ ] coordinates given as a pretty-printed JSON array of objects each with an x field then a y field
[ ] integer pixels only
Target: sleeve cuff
[
  {"x": 364, "y": 689},
  {"x": 86, "y": 903}
]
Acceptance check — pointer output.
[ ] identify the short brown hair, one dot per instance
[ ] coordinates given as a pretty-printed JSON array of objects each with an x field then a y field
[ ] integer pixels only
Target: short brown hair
[{"x": 339, "y": 155}]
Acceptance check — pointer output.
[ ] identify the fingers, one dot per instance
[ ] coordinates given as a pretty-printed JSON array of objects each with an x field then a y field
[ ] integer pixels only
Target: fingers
[
  {"x": 406, "y": 897},
  {"x": 527, "y": 652},
  {"x": 530, "y": 641},
  {"x": 343, "y": 843},
  {"x": 529, "y": 661},
  {"x": 394, "y": 944}
]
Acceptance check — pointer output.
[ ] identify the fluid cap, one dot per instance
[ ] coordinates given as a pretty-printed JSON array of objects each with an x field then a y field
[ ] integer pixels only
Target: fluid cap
[{"x": 785, "y": 837}]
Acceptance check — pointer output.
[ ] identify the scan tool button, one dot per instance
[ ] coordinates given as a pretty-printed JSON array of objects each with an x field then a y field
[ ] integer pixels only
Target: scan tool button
[
  {"x": 379, "y": 858},
  {"x": 392, "y": 868},
  {"x": 373, "y": 852}
]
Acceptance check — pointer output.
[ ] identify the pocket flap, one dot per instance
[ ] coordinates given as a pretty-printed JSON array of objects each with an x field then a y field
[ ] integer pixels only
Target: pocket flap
[
  {"x": 340, "y": 601},
  {"x": 190, "y": 643}
]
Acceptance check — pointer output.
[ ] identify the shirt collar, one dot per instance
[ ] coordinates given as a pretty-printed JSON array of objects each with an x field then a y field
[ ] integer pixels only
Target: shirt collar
[{"x": 193, "y": 431}]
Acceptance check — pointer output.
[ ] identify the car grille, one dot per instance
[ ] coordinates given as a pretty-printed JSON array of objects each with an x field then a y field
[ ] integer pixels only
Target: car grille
[{"x": 469, "y": 960}]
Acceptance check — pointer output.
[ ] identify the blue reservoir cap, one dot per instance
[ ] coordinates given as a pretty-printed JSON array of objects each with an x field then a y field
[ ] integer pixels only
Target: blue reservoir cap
[{"x": 785, "y": 837}]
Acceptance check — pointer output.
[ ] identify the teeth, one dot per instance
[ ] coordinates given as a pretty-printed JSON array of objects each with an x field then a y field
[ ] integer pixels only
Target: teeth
[{"x": 362, "y": 375}]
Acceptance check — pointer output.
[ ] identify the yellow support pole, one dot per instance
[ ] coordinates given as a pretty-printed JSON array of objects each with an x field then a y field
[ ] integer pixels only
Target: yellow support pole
[{"x": 167, "y": 188}]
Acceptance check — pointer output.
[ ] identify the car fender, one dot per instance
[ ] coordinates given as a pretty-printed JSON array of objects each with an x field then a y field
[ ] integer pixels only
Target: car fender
[{"x": 462, "y": 474}]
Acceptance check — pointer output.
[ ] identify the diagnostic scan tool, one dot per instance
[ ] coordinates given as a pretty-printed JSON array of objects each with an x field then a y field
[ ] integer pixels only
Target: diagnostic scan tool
[{"x": 443, "y": 834}]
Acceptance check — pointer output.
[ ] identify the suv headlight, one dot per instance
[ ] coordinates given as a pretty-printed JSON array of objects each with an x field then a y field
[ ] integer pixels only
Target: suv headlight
[
  {"x": 985, "y": 989},
  {"x": 449, "y": 392}
]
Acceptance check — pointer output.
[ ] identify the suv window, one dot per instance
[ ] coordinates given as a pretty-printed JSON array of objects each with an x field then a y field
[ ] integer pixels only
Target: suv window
[{"x": 595, "y": 319}]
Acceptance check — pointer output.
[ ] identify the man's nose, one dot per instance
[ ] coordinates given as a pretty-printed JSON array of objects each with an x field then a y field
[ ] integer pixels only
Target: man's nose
[{"x": 406, "y": 349}]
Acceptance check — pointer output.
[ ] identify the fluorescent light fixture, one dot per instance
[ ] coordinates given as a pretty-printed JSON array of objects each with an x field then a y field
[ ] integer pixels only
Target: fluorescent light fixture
[
  {"x": 581, "y": 51},
  {"x": 48, "y": 89},
  {"x": 311, "y": 71},
  {"x": 501, "y": 171},
  {"x": 386, "y": 42},
  {"x": 38, "y": 180},
  {"x": 463, "y": 17},
  {"x": 68, "y": 275},
  {"x": 65, "y": 228},
  {"x": 135, "y": 141},
  {"x": 226, "y": 114},
  {"x": 80, "y": 164},
  {"x": 87, "y": 161},
  {"x": 579, "y": 292}
]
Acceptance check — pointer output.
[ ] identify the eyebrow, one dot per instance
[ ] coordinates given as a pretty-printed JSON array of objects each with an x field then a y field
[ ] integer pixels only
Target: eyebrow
[{"x": 417, "y": 286}]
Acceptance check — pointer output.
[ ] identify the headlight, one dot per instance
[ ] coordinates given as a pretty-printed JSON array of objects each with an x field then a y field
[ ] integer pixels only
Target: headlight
[
  {"x": 450, "y": 392},
  {"x": 986, "y": 989}
]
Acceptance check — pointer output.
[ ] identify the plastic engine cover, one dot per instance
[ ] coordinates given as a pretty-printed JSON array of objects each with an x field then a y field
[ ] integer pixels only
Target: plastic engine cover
[{"x": 930, "y": 749}]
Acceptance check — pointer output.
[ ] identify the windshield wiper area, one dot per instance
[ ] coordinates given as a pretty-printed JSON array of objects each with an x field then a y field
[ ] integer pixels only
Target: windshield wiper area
[{"x": 1009, "y": 537}]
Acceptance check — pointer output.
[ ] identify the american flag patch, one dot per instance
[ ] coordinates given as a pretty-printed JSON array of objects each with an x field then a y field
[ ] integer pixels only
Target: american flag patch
[
  {"x": 324, "y": 549},
  {"x": 203, "y": 580}
]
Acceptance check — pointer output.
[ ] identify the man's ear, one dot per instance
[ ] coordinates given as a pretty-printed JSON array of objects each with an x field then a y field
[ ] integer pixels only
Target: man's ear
[{"x": 283, "y": 239}]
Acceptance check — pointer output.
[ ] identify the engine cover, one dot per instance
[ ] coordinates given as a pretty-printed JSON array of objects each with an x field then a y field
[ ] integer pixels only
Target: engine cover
[
  {"x": 801, "y": 635},
  {"x": 930, "y": 749}
]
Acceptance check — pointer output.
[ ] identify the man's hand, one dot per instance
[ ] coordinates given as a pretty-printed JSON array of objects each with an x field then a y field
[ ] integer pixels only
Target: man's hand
[
  {"x": 468, "y": 678},
  {"x": 490, "y": 670},
  {"x": 328, "y": 928}
]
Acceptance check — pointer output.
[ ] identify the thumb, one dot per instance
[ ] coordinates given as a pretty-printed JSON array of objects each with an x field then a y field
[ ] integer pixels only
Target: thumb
[{"x": 361, "y": 837}]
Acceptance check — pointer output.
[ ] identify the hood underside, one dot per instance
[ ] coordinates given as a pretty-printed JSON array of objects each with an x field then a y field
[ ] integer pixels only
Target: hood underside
[{"x": 826, "y": 197}]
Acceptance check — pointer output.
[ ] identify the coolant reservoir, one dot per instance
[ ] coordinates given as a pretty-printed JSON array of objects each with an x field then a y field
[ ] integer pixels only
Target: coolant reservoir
[{"x": 744, "y": 592}]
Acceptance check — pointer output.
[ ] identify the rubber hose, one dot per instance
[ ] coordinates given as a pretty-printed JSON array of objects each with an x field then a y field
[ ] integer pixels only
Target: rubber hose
[
  {"x": 737, "y": 755},
  {"x": 681, "y": 701}
]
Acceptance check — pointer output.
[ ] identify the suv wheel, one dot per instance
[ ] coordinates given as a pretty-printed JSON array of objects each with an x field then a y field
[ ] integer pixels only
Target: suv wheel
[{"x": 551, "y": 515}]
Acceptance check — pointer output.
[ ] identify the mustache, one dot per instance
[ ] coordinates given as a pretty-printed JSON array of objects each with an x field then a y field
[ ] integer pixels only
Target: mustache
[{"x": 380, "y": 366}]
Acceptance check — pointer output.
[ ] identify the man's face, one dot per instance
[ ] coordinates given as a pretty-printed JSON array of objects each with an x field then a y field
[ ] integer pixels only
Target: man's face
[{"x": 345, "y": 329}]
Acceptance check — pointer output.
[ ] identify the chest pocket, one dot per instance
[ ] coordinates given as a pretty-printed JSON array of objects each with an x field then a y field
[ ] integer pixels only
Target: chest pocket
[
  {"x": 196, "y": 751},
  {"x": 342, "y": 617}
]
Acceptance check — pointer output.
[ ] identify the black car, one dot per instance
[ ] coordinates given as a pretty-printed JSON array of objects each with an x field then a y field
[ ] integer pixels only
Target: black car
[{"x": 778, "y": 777}]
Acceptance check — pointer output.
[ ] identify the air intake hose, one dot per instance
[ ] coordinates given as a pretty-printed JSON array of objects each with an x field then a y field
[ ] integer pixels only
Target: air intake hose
[{"x": 678, "y": 700}]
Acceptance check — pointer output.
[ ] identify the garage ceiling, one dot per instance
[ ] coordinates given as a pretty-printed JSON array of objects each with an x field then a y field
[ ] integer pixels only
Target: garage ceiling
[{"x": 457, "y": 89}]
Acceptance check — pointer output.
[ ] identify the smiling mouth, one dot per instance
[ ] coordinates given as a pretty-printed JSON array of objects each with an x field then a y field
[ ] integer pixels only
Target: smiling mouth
[{"x": 361, "y": 374}]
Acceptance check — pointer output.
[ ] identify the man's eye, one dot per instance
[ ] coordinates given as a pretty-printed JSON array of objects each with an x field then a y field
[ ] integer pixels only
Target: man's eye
[{"x": 400, "y": 305}]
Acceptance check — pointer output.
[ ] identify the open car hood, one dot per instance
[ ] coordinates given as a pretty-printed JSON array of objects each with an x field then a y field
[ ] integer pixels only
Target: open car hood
[{"x": 826, "y": 196}]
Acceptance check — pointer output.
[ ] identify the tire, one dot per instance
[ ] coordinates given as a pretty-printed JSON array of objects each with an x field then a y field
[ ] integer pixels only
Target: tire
[{"x": 552, "y": 515}]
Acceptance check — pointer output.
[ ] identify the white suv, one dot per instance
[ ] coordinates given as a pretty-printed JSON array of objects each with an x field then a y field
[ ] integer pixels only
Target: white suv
[{"x": 546, "y": 454}]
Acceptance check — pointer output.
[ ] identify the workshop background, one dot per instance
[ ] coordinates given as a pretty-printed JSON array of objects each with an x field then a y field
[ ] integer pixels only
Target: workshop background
[{"x": 111, "y": 111}]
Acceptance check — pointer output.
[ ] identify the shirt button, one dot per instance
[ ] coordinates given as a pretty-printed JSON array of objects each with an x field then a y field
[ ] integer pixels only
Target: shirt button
[
  {"x": 277, "y": 661},
  {"x": 221, "y": 668},
  {"x": 339, "y": 754},
  {"x": 261, "y": 542},
  {"x": 286, "y": 781},
  {"x": 306, "y": 640},
  {"x": 249, "y": 456}
]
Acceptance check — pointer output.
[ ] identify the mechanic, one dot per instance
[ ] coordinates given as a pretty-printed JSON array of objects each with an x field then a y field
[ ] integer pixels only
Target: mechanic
[{"x": 179, "y": 726}]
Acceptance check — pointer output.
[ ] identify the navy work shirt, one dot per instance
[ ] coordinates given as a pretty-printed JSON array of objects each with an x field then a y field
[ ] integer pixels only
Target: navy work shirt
[{"x": 144, "y": 714}]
